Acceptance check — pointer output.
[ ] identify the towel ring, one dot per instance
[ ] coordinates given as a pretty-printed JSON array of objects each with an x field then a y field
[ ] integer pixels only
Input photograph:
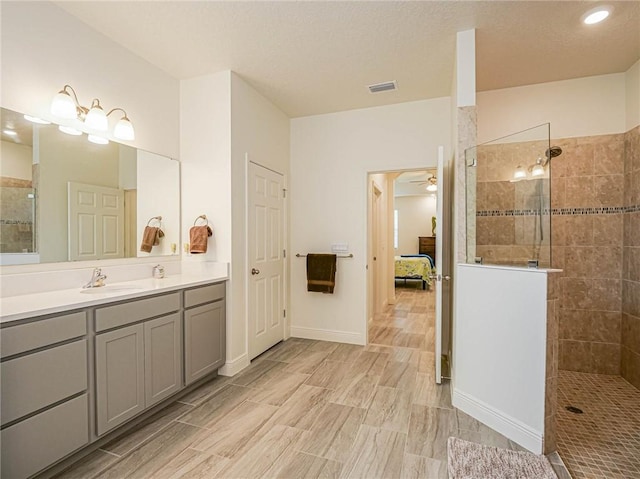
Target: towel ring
[
  {"x": 201, "y": 217},
  {"x": 159, "y": 218}
]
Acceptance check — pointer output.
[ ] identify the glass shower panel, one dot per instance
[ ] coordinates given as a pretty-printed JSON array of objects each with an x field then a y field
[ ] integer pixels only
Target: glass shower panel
[{"x": 508, "y": 206}]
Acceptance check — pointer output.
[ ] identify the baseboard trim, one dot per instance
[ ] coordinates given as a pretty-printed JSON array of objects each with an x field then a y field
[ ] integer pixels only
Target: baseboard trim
[
  {"x": 328, "y": 335},
  {"x": 506, "y": 425},
  {"x": 233, "y": 367}
]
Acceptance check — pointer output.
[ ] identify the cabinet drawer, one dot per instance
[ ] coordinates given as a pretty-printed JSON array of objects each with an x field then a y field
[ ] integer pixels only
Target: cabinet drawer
[
  {"x": 25, "y": 337},
  {"x": 37, "y": 380},
  {"x": 204, "y": 294},
  {"x": 113, "y": 316},
  {"x": 35, "y": 443}
]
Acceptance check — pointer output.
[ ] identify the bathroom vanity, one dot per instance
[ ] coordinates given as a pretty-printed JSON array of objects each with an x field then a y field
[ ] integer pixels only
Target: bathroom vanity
[{"x": 73, "y": 376}]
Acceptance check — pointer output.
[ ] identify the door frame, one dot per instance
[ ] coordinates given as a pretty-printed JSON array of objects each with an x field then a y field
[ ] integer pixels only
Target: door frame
[
  {"x": 285, "y": 246},
  {"x": 447, "y": 236}
]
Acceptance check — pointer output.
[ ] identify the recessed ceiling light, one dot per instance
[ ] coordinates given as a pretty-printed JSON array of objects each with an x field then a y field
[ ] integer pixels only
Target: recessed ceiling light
[
  {"x": 9, "y": 132},
  {"x": 596, "y": 15}
]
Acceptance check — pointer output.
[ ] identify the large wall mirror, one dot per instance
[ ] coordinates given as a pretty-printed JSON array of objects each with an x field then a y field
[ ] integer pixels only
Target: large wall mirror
[{"x": 63, "y": 198}]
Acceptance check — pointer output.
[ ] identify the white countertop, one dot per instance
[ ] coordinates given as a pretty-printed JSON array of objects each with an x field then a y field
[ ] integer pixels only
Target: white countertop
[{"x": 24, "y": 306}]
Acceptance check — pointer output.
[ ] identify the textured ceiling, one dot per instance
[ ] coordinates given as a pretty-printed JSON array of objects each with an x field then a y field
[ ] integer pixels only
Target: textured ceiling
[{"x": 317, "y": 57}]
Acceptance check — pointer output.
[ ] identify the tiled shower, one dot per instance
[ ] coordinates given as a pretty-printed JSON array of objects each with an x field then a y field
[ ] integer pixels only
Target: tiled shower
[{"x": 595, "y": 240}]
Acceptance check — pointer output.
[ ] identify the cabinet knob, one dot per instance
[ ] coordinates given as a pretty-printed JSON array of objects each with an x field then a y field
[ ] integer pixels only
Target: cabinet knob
[{"x": 255, "y": 271}]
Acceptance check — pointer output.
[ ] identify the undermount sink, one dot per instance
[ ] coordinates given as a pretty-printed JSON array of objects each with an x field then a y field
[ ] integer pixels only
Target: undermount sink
[{"x": 111, "y": 289}]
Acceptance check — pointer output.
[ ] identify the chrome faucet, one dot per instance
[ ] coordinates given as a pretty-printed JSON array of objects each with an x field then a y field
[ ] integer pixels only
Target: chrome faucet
[{"x": 97, "y": 279}]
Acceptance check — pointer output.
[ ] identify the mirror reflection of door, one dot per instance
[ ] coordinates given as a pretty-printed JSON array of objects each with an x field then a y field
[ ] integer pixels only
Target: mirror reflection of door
[{"x": 96, "y": 222}]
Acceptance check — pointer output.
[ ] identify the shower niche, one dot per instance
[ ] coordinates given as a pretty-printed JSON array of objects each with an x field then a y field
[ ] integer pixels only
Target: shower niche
[{"x": 508, "y": 199}]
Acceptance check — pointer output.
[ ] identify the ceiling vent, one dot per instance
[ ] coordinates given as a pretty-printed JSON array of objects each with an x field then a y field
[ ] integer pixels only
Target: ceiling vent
[{"x": 386, "y": 86}]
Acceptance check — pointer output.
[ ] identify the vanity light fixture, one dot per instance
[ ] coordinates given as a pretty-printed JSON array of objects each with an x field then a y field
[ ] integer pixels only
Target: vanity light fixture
[
  {"x": 67, "y": 107},
  {"x": 69, "y": 130},
  {"x": 538, "y": 168},
  {"x": 35, "y": 119},
  {"x": 520, "y": 173},
  {"x": 98, "y": 140},
  {"x": 432, "y": 187}
]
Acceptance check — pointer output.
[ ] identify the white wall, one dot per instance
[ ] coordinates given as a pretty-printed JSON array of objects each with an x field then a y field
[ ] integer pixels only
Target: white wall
[
  {"x": 414, "y": 219},
  {"x": 16, "y": 160},
  {"x": 632, "y": 91},
  {"x": 330, "y": 158},
  {"x": 223, "y": 122},
  {"x": 158, "y": 193},
  {"x": 500, "y": 349},
  {"x": 580, "y": 107},
  {"x": 259, "y": 133},
  {"x": 44, "y": 48}
]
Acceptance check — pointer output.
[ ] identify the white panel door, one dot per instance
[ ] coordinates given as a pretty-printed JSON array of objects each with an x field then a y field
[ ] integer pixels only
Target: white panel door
[
  {"x": 96, "y": 222},
  {"x": 265, "y": 231},
  {"x": 442, "y": 265}
]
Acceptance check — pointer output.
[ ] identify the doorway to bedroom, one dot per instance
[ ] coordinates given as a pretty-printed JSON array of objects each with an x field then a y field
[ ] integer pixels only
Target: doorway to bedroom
[{"x": 402, "y": 218}]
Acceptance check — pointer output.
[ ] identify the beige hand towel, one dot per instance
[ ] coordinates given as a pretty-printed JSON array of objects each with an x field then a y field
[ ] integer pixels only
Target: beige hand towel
[
  {"x": 158, "y": 236},
  {"x": 149, "y": 238},
  {"x": 198, "y": 237}
]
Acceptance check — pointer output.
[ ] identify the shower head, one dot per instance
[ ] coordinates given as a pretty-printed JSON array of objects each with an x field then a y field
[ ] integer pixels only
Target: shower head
[{"x": 553, "y": 152}]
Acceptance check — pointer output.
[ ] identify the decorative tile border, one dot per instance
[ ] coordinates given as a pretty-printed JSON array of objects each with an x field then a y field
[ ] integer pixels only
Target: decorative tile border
[
  {"x": 15, "y": 222},
  {"x": 609, "y": 210}
]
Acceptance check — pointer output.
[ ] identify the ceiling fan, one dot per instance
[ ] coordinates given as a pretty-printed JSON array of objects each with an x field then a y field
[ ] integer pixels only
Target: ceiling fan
[{"x": 431, "y": 182}]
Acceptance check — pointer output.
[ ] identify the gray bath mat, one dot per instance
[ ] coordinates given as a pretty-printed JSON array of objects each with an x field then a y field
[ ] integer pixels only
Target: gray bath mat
[{"x": 468, "y": 460}]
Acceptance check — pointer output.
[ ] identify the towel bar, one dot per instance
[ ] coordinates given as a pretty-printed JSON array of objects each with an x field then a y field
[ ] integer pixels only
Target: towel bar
[
  {"x": 350, "y": 255},
  {"x": 159, "y": 218}
]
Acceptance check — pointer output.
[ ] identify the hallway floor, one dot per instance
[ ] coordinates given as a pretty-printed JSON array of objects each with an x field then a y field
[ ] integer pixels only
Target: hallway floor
[
  {"x": 604, "y": 441},
  {"x": 308, "y": 409}
]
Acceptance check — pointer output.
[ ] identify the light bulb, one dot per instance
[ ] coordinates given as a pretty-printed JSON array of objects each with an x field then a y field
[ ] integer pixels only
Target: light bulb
[
  {"x": 63, "y": 106},
  {"x": 432, "y": 187},
  {"x": 69, "y": 130},
  {"x": 96, "y": 119},
  {"x": 519, "y": 173},
  {"x": 98, "y": 140},
  {"x": 124, "y": 130}
]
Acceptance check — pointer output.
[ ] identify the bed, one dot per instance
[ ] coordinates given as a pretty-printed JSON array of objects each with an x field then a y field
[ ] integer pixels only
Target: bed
[{"x": 418, "y": 266}]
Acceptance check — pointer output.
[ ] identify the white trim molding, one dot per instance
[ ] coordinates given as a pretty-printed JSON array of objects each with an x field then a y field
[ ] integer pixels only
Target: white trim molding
[
  {"x": 234, "y": 366},
  {"x": 328, "y": 335},
  {"x": 503, "y": 423}
]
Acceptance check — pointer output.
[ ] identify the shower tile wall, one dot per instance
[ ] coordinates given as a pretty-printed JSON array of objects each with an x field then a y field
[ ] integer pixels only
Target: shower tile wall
[
  {"x": 503, "y": 236},
  {"x": 587, "y": 196},
  {"x": 630, "y": 350},
  {"x": 16, "y": 216}
]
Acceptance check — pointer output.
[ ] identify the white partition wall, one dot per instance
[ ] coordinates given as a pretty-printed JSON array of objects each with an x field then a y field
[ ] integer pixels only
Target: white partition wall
[{"x": 500, "y": 346}]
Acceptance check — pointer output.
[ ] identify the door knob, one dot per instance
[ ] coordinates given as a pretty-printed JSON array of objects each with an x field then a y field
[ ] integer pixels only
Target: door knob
[{"x": 255, "y": 271}]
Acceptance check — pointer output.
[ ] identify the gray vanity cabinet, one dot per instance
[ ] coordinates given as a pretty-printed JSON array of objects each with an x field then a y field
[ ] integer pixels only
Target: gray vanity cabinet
[
  {"x": 162, "y": 358},
  {"x": 139, "y": 365},
  {"x": 119, "y": 376},
  {"x": 204, "y": 330},
  {"x": 44, "y": 404}
]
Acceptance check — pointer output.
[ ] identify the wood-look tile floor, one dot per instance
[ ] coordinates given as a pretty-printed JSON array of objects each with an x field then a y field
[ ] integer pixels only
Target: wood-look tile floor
[{"x": 309, "y": 409}]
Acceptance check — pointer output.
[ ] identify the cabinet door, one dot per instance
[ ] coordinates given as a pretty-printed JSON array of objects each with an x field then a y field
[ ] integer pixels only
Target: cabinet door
[
  {"x": 162, "y": 358},
  {"x": 204, "y": 330},
  {"x": 119, "y": 376}
]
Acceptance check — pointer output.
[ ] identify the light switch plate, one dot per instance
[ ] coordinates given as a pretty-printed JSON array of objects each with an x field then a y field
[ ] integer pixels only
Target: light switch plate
[{"x": 340, "y": 247}]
